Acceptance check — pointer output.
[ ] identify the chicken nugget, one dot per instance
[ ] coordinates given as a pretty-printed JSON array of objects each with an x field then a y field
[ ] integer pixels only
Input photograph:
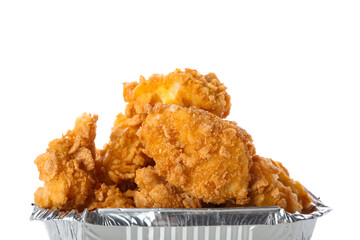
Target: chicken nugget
[
  {"x": 199, "y": 153},
  {"x": 109, "y": 197},
  {"x": 67, "y": 168},
  {"x": 124, "y": 153},
  {"x": 155, "y": 192},
  {"x": 271, "y": 185},
  {"x": 188, "y": 88}
]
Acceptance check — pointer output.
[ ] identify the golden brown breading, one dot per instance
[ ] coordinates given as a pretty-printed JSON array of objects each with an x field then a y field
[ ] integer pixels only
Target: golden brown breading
[
  {"x": 174, "y": 122},
  {"x": 155, "y": 192},
  {"x": 188, "y": 88},
  {"x": 198, "y": 152},
  {"x": 109, "y": 197},
  {"x": 66, "y": 167},
  {"x": 271, "y": 185},
  {"x": 123, "y": 155}
]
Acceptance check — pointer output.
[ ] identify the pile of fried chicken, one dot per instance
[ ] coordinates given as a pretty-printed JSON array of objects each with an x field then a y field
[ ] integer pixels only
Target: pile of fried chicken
[{"x": 171, "y": 149}]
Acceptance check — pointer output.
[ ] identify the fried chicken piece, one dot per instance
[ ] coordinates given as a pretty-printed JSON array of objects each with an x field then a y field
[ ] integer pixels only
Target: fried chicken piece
[
  {"x": 109, "y": 197},
  {"x": 66, "y": 167},
  {"x": 188, "y": 88},
  {"x": 124, "y": 154},
  {"x": 199, "y": 153},
  {"x": 155, "y": 192},
  {"x": 271, "y": 185}
]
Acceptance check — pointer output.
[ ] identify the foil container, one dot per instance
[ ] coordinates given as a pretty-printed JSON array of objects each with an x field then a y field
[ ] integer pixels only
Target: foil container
[{"x": 163, "y": 223}]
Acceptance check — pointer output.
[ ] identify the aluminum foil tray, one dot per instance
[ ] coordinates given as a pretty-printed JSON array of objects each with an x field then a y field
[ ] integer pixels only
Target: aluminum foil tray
[{"x": 162, "y": 223}]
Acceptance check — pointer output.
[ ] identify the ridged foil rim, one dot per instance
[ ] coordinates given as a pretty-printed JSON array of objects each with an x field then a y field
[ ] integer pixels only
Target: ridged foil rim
[{"x": 163, "y": 217}]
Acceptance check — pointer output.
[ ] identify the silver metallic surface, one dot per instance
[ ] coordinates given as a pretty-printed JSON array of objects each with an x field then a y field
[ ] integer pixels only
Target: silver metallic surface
[{"x": 159, "y": 223}]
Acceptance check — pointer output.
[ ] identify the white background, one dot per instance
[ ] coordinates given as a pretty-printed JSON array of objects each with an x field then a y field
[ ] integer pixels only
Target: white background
[{"x": 292, "y": 69}]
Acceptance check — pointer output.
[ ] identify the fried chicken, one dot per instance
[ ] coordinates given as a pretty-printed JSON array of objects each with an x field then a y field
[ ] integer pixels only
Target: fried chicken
[
  {"x": 123, "y": 155},
  {"x": 188, "y": 88},
  {"x": 66, "y": 168},
  {"x": 171, "y": 149},
  {"x": 271, "y": 185},
  {"x": 155, "y": 192},
  {"x": 109, "y": 197},
  {"x": 199, "y": 153}
]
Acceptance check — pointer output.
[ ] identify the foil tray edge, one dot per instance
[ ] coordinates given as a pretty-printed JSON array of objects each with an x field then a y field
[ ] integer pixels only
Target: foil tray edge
[{"x": 163, "y": 217}]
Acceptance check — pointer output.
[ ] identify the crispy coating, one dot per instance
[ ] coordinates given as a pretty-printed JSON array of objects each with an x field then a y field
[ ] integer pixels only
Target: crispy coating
[
  {"x": 124, "y": 154},
  {"x": 66, "y": 167},
  {"x": 171, "y": 149},
  {"x": 271, "y": 185},
  {"x": 109, "y": 197},
  {"x": 199, "y": 153},
  {"x": 188, "y": 88},
  {"x": 155, "y": 192}
]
